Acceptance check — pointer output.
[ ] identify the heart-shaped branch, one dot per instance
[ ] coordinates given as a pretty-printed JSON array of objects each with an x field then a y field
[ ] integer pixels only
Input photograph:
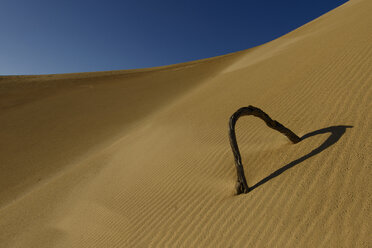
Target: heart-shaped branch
[{"x": 242, "y": 186}]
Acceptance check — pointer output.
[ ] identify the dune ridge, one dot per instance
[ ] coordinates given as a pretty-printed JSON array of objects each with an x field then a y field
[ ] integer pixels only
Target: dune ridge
[{"x": 141, "y": 158}]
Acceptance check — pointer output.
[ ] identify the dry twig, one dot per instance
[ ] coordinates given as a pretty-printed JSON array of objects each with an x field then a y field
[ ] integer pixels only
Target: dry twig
[{"x": 242, "y": 186}]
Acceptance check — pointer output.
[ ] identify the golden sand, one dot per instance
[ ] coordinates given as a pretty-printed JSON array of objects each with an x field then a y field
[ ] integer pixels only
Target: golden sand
[{"x": 141, "y": 158}]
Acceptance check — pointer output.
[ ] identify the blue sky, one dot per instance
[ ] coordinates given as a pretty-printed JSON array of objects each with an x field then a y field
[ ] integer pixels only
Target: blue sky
[{"x": 49, "y": 36}]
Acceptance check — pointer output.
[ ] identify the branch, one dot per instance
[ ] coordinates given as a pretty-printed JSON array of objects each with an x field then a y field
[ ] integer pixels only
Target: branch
[{"x": 242, "y": 186}]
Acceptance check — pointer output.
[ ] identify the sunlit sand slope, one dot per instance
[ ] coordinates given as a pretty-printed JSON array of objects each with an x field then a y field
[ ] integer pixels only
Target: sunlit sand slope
[{"x": 141, "y": 158}]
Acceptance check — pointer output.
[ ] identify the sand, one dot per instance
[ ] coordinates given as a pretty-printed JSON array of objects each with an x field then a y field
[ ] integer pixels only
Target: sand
[{"x": 141, "y": 158}]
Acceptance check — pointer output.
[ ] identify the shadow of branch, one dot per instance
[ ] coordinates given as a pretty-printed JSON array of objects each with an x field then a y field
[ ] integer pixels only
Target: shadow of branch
[{"x": 336, "y": 134}]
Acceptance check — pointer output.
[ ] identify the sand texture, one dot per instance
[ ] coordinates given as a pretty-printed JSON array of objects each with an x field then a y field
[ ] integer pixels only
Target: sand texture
[{"x": 141, "y": 158}]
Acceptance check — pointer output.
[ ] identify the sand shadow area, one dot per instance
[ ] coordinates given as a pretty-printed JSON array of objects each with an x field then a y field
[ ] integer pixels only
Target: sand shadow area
[{"x": 336, "y": 133}]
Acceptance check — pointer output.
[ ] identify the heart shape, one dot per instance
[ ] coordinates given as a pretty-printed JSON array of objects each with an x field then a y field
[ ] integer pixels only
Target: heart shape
[{"x": 242, "y": 186}]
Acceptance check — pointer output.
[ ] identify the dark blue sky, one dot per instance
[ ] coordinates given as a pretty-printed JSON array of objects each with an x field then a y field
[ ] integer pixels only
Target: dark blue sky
[{"x": 61, "y": 36}]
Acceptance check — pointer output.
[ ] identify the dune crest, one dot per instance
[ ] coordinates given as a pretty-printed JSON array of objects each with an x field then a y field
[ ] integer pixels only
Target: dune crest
[{"x": 141, "y": 158}]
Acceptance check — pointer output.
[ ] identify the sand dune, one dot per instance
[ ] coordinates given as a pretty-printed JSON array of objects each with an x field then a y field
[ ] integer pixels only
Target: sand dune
[{"x": 141, "y": 158}]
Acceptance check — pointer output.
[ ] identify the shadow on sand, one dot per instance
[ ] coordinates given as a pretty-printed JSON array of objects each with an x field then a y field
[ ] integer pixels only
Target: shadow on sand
[{"x": 336, "y": 134}]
